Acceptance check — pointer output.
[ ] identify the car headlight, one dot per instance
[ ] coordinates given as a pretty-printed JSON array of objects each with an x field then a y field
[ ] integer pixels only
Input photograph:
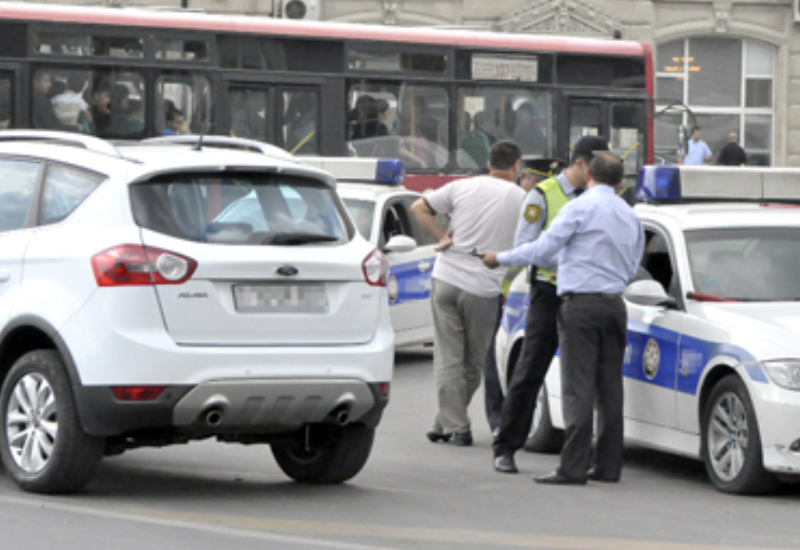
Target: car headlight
[{"x": 784, "y": 372}]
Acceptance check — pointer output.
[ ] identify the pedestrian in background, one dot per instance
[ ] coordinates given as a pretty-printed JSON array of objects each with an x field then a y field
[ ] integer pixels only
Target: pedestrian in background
[
  {"x": 697, "y": 151},
  {"x": 732, "y": 154},
  {"x": 465, "y": 294},
  {"x": 599, "y": 242},
  {"x": 536, "y": 216}
]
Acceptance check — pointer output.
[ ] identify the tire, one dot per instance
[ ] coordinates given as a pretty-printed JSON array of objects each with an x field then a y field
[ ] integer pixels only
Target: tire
[
  {"x": 731, "y": 444},
  {"x": 544, "y": 438},
  {"x": 336, "y": 463},
  {"x": 44, "y": 448}
]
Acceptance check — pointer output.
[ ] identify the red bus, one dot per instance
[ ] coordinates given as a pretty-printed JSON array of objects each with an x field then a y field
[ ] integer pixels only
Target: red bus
[{"x": 437, "y": 99}]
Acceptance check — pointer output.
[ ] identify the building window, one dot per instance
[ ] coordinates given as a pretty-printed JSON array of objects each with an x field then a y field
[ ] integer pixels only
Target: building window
[{"x": 727, "y": 83}]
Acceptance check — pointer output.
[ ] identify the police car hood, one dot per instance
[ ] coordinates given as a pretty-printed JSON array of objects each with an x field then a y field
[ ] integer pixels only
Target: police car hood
[{"x": 767, "y": 330}]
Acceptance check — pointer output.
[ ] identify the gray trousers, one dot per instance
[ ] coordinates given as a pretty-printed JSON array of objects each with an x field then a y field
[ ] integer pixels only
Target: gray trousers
[
  {"x": 591, "y": 331},
  {"x": 463, "y": 327}
]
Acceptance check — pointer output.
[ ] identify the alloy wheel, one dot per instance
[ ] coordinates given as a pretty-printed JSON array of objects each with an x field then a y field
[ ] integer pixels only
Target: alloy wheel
[{"x": 31, "y": 423}]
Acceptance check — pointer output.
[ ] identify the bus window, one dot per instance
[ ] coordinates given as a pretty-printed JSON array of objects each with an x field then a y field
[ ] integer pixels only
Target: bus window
[
  {"x": 409, "y": 122},
  {"x": 54, "y": 43},
  {"x": 584, "y": 120},
  {"x": 182, "y": 50},
  {"x": 6, "y": 100},
  {"x": 300, "y": 122},
  {"x": 627, "y": 139},
  {"x": 250, "y": 114},
  {"x": 187, "y": 94},
  {"x": 487, "y": 114}
]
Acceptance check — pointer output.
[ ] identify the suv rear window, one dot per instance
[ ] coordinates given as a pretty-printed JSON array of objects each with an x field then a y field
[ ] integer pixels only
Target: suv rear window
[{"x": 241, "y": 209}]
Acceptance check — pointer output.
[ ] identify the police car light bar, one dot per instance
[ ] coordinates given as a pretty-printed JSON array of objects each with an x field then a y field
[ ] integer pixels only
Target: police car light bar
[
  {"x": 711, "y": 183},
  {"x": 367, "y": 170}
]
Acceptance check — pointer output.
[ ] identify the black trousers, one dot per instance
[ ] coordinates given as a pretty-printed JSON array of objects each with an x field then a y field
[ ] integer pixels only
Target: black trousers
[
  {"x": 591, "y": 329},
  {"x": 493, "y": 392},
  {"x": 539, "y": 347}
]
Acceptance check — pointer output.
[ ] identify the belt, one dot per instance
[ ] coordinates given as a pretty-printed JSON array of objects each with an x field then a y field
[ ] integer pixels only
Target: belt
[{"x": 597, "y": 295}]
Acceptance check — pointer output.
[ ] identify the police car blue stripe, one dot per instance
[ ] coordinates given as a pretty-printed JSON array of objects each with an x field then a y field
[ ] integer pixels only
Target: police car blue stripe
[
  {"x": 515, "y": 312},
  {"x": 411, "y": 284}
]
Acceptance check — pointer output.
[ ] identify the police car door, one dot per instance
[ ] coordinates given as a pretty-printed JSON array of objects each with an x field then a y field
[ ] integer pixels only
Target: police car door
[
  {"x": 651, "y": 355},
  {"x": 409, "y": 274}
]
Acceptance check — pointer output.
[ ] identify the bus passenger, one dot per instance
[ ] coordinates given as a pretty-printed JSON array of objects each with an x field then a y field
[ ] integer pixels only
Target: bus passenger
[
  {"x": 100, "y": 108},
  {"x": 175, "y": 123},
  {"x": 43, "y": 115},
  {"x": 69, "y": 105},
  {"x": 123, "y": 121}
]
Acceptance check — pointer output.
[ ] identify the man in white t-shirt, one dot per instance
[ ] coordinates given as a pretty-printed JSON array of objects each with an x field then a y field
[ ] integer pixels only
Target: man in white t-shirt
[{"x": 465, "y": 293}]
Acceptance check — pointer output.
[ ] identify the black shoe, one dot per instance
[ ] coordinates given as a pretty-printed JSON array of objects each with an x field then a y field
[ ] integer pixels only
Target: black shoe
[
  {"x": 435, "y": 437},
  {"x": 597, "y": 475},
  {"x": 554, "y": 478},
  {"x": 505, "y": 464},
  {"x": 463, "y": 439}
]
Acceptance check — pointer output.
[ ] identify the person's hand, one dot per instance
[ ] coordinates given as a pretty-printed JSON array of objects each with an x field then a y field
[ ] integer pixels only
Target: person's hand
[
  {"x": 490, "y": 259},
  {"x": 445, "y": 242}
]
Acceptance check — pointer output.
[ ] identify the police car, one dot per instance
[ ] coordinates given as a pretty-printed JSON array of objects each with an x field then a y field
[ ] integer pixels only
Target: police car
[
  {"x": 712, "y": 364},
  {"x": 380, "y": 207}
]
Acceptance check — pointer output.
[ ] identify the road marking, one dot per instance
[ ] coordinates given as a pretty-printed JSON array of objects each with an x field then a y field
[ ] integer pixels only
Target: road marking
[{"x": 268, "y": 529}]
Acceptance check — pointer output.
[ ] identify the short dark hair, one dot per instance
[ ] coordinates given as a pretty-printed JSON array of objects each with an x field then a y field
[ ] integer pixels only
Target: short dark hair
[
  {"x": 504, "y": 155},
  {"x": 172, "y": 113},
  {"x": 586, "y": 147},
  {"x": 606, "y": 168},
  {"x": 696, "y": 129}
]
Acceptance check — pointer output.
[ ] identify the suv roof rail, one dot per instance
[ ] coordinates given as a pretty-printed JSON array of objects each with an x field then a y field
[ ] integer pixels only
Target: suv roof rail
[
  {"x": 90, "y": 143},
  {"x": 226, "y": 142}
]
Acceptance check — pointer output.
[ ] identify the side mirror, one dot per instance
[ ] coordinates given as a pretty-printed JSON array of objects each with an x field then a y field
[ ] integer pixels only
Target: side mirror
[
  {"x": 400, "y": 243},
  {"x": 648, "y": 293}
]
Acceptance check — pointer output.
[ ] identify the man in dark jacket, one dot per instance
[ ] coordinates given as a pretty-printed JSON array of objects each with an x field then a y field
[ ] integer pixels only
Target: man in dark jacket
[
  {"x": 43, "y": 115},
  {"x": 732, "y": 154}
]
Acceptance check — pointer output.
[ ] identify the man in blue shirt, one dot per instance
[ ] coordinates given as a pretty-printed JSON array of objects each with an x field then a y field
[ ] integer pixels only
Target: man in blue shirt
[
  {"x": 697, "y": 150},
  {"x": 599, "y": 242}
]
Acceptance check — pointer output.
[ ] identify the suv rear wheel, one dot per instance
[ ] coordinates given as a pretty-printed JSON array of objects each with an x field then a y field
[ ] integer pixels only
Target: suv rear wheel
[
  {"x": 42, "y": 444},
  {"x": 334, "y": 463}
]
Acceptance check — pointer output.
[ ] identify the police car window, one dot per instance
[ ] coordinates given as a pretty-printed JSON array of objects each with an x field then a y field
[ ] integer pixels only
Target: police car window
[
  {"x": 657, "y": 261},
  {"x": 241, "y": 209},
  {"x": 17, "y": 185},
  {"x": 395, "y": 222},
  {"x": 363, "y": 213},
  {"x": 749, "y": 264},
  {"x": 417, "y": 231},
  {"x": 64, "y": 190}
]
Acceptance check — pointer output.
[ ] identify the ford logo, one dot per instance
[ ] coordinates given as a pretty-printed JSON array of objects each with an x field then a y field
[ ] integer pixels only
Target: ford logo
[{"x": 287, "y": 271}]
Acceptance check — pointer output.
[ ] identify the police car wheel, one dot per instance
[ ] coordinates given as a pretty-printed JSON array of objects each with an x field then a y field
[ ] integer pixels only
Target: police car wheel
[
  {"x": 731, "y": 444},
  {"x": 544, "y": 438}
]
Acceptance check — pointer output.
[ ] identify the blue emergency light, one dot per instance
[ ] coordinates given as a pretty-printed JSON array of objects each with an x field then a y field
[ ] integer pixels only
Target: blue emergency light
[
  {"x": 659, "y": 183},
  {"x": 390, "y": 172}
]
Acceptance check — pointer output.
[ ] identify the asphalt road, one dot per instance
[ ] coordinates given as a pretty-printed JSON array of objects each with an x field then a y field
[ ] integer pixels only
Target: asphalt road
[{"x": 411, "y": 495}]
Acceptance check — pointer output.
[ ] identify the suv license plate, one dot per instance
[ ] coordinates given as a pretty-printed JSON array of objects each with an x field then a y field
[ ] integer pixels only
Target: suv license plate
[{"x": 281, "y": 298}]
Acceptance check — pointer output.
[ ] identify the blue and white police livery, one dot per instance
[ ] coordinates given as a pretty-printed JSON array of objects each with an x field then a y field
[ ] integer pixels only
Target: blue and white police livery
[
  {"x": 381, "y": 209},
  {"x": 712, "y": 364}
]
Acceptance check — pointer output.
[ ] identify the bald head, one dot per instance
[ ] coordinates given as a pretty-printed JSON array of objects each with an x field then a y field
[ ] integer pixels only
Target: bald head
[
  {"x": 606, "y": 168},
  {"x": 733, "y": 137}
]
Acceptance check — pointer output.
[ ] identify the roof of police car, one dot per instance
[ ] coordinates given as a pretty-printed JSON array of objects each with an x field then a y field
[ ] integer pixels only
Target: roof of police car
[{"x": 721, "y": 215}]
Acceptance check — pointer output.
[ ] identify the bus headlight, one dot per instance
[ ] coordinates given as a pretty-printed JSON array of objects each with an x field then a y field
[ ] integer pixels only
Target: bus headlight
[{"x": 784, "y": 372}]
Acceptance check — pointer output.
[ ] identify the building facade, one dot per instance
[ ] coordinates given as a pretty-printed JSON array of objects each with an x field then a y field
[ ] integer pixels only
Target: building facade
[{"x": 724, "y": 65}]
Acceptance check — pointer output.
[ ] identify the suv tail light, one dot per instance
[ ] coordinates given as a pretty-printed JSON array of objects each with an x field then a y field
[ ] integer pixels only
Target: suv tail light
[
  {"x": 135, "y": 265},
  {"x": 376, "y": 268}
]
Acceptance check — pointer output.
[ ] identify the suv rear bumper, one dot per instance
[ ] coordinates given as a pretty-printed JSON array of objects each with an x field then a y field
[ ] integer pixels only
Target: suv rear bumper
[{"x": 229, "y": 407}]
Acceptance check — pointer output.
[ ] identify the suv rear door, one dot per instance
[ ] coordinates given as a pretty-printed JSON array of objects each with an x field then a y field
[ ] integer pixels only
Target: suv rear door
[{"x": 276, "y": 264}]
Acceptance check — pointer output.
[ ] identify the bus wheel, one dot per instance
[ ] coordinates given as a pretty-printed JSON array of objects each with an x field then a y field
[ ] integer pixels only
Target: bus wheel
[
  {"x": 42, "y": 444},
  {"x": 544, "y": 438},
  {"x": 731, "y": 444}
]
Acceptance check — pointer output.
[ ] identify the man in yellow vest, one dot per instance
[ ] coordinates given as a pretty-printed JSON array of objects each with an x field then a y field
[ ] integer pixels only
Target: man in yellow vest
[{"x": 540, "y": 208}]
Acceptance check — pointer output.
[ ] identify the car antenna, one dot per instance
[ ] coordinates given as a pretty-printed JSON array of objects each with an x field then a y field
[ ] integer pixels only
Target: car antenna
[{"x": 199, "y": 145}]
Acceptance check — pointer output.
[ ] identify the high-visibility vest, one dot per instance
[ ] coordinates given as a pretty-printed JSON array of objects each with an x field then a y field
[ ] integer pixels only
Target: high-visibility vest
[{"x": 555, "y": 199}]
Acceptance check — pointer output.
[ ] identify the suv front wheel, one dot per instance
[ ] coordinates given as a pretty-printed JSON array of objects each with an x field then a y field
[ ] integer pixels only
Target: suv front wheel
[
  {"x": 336, "y": 462},
  {"x": 42, "y": 444}
]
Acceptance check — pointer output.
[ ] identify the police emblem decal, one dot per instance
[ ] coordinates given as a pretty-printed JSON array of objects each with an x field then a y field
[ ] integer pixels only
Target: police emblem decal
[
  {"x": 651, "y": 359},
  {"x": 532, "y": 213},
  {"x": 394, "y": 289}
]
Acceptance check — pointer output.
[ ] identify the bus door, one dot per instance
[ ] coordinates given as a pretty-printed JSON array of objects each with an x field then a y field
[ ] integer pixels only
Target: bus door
[
  {"x": 286, "y": 115},
  {"x": 8, "y": 96}
]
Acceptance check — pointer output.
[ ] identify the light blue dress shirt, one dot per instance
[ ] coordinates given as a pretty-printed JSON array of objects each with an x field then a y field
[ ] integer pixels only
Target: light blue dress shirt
[
  {"x": 696, "y": 153},
  {"x": 598, "y": 240}
]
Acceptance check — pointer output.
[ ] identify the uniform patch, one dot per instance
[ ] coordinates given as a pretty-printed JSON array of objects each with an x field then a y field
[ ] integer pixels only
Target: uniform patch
[
  {"x": 652, "y": 357},
  {"x": 532, "y": 213}
]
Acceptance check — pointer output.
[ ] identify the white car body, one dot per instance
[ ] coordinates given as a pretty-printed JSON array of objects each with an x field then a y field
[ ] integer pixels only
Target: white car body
[
  {"x": 677, "y": 354},
  {"x": 240, "y": 374}
]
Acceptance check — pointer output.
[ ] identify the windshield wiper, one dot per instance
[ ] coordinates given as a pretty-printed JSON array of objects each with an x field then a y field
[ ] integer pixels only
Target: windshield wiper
[{"x": 299, "y": 238}]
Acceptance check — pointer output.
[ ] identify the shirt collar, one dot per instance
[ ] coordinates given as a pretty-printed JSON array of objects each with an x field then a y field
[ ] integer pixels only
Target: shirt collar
[
  {"x": 566, "y": 186},
  {"x": 602, "y": 188}
]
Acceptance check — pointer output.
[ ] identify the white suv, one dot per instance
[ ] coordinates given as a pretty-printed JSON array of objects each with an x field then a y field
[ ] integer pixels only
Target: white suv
[{"x": 132, "y": 315}]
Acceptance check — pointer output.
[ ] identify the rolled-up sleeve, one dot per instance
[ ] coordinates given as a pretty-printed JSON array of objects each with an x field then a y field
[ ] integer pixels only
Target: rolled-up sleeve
[{"x": 441, "y": 200}]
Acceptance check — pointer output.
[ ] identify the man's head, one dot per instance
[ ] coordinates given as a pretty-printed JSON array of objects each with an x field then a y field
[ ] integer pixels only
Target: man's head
[
  {"x": 175, "y": 120},
  {"x": 733, "y": 137},
  {"x": 535, "y": 169},
  {"x": 696, "y": 133},
  {"x": 583, "y": 152},
  {"x": 606, "y": 168},
  {"x": 101, "y": 97},
  {"x": 504, "y": 156},
  {"x": 42, "y": 82}
]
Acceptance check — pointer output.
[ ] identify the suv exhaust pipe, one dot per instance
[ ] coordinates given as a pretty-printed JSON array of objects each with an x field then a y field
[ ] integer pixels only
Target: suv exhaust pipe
[{"x": 213, "y": 417}]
